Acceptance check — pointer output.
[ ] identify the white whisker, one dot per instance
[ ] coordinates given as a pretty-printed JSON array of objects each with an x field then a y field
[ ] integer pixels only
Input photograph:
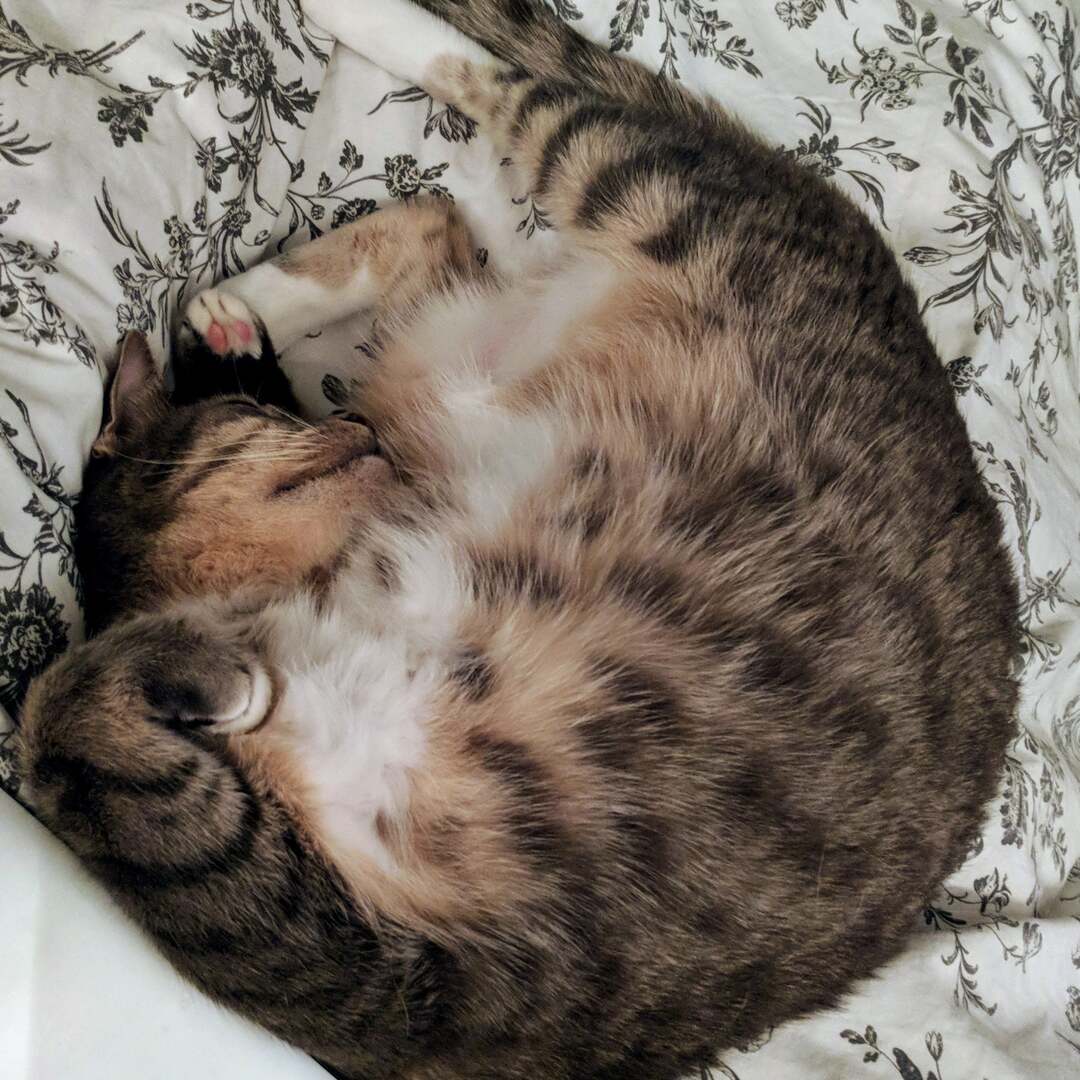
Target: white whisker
[{"x": 209, "y": 459}]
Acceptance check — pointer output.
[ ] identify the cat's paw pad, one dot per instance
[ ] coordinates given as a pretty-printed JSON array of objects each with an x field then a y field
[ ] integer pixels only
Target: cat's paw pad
[{"x": 225, "y": 324}]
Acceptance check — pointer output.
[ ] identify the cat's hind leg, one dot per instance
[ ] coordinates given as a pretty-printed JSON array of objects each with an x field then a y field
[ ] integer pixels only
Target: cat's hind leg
[{"x": 633, "y": 177}]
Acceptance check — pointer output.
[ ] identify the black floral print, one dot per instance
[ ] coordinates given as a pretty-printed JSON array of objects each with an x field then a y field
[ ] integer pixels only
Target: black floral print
[
  {"x": 25, "y": 307},
  {"x": 402, "y": 176},
  {"x": 351, "y": 210},
  {"x": 823, "y": 153},
  {"x": 702, "y": 28},
  {"x": 236, "y": 56},
  {"x": 127, "y": 117},
  {"x": 33, "y": 629},
  {"x": 899, "y": 1059},
  {"x": 32, "y": 633},
  {"x": 800, "y": 14},
  {"x": 452, "y": 124}
]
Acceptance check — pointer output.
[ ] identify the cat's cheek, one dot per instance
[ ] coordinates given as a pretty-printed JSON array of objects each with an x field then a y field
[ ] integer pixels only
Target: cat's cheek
[{"x": 357, "y": 484}]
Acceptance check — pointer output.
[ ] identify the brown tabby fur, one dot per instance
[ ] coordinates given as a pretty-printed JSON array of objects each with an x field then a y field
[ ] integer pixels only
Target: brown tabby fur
[{"x": 732, "y": 688}]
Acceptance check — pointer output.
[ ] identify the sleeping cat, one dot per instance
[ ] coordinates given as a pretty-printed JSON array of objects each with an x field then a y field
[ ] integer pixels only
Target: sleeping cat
[{"x": 629, "y": 695}]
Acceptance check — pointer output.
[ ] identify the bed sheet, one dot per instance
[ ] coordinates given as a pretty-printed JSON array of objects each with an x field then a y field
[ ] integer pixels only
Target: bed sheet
[{"x": 150, "y": 147}]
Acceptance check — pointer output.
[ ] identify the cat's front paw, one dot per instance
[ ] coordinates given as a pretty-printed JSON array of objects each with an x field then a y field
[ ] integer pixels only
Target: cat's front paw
[
  {"x": 221, "y": 686},
  {"x": 224, "y": 323},
  {"x": 248, "y": 705}
]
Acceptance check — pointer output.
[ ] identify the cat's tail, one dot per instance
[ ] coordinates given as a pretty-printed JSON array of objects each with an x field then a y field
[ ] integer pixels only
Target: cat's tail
[{"x": 528, "y": 35}]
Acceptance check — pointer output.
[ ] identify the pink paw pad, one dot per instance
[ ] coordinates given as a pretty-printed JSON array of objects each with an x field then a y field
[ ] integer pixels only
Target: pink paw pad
[
  {"x": 242, "y": 330},
  {"x": 217, "y": 339}
]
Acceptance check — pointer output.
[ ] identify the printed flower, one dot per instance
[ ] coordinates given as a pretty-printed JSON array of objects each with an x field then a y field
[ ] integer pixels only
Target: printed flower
[
  {"x": 236, "y": 217},
  {"x": 239, "y": 56},
  {"x": 962, "y": 374},
  {"x": 402, "y": 176},
  {"x": 880, "y": 61},
  {"x": 134, "y": 285},
  {"x": 9, "y": 301},
  {"x": 133, "y": 317},
  {"x": 817, "y": 155},
  {"x": 800, "y": 13},
  {"x": 882, "y": 78},
  {"x": 178, "y": 233},
  {"x": 895, "y": 102},
  {"x": 351, "y": 210},
  {"x": 179, "y": 242},
  {"x": 710, "y": 24},
  {"x": 452, "y": 124},
  {"x": 9, "y": 781},
  {"x": 126, "y": 117},
  {"x": 32, "y": 633},
  {"x": 211, "y": 162},
  {"x": 246, "y": 156}
]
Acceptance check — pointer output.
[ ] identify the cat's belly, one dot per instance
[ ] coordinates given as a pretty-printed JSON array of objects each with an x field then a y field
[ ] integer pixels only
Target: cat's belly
[{"x": 350, "y": 721}]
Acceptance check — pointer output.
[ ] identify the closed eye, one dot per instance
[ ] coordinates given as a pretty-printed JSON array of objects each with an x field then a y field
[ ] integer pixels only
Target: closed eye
[
  {"x": 215, "y": 459},
  {"x": 243, "y": 404}
]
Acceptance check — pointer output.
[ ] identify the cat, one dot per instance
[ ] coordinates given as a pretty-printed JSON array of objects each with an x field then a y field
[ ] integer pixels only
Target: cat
[{"x": 620, "y": 685}]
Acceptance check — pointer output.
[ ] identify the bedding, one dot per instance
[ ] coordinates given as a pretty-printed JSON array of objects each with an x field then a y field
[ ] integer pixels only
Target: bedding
[{"x": 150, "y": 147}]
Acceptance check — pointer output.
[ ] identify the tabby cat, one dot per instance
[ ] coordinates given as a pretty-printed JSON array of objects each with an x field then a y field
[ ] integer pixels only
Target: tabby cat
[{"x": 630, "y": 694}]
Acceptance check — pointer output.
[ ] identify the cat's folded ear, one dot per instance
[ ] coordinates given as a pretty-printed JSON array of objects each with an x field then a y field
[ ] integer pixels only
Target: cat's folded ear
[{"x": 136, "y": 395}]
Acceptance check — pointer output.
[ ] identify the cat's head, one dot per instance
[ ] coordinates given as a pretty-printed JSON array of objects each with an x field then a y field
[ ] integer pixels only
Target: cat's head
[{"x": 209, "y": 497}]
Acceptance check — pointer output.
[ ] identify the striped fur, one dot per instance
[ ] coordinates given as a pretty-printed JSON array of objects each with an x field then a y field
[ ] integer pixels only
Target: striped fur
[{"x": 632, "y": 700}]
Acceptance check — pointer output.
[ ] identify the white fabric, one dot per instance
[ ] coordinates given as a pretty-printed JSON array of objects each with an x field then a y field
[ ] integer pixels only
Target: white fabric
[
  {"x": 109, "y": 159},
  {"x": 84, "y": 997}
]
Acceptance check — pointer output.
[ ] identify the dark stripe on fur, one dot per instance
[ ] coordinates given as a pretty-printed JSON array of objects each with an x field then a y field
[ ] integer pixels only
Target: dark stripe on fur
[
  {"x": 130, "y": 874},
  {"x": 542, "y": 95},
  {"x": 85, "y": 783},
  {"x": 525, "y": 785},
  {"x": 609, "y": 189},
  {"x": 474, "y": 674},
  {"x": 590, "y": 115},
  {"x": 498, "y": 577}
]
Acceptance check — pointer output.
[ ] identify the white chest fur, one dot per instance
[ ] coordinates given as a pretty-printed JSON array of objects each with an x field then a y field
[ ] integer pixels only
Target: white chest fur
[{"x": 352, "y": 717}]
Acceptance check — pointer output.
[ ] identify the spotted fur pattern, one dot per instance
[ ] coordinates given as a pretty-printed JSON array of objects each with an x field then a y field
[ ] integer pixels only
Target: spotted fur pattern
[{"x": 634, "y": 697}]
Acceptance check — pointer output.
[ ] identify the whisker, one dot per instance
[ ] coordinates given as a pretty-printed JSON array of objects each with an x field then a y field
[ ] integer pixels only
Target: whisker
[
  {"x": 307, "y": 425},
  {"x": 207, "y": 460}
]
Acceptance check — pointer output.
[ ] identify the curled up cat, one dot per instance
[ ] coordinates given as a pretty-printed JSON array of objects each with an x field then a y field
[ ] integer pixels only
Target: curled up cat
[{"x": 621, "y": 686}]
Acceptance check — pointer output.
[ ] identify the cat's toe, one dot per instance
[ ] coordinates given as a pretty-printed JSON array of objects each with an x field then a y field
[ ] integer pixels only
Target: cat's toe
[
  {"x": 251, "y": 705},
  {"x": 225, "y": 323}
]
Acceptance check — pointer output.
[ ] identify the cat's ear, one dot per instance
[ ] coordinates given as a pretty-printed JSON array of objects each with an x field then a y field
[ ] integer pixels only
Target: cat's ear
[{"x": 136, "y": 393}]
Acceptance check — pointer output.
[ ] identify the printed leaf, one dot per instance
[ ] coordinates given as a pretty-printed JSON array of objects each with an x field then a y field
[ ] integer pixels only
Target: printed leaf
[
  {"x": 953, "y": 55},
  {"x": 908, "y": 1069},
  {"x": 898, "y": 161},
  {"x": 334, "y": 390}
]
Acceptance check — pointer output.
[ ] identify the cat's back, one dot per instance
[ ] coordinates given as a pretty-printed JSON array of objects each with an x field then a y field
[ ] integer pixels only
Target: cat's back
[
  {"x": 740, "y": 661},
  {"x": 726, "y": 653}
]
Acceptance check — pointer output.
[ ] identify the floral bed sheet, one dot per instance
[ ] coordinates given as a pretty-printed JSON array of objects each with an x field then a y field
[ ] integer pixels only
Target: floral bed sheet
[{"x": 150, "y": 147}]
